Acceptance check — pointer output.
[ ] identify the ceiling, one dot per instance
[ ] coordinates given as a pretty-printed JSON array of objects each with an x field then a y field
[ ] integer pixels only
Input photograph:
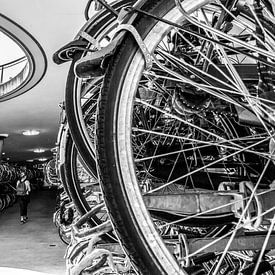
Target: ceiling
[{"x": 52, "y": 24}]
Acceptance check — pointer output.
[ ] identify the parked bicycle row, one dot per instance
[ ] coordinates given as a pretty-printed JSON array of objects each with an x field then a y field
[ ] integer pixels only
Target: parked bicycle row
[
  {"x": 80, "y": 217},
  {"x": 8, "y": 173},
  {"x": 170, "y": 107},
  {"x": 7, "y": 196}
]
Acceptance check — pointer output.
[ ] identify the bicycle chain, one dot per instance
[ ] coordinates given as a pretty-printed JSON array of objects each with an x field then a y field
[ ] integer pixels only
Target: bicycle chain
[{"x": 203, "y": 109}]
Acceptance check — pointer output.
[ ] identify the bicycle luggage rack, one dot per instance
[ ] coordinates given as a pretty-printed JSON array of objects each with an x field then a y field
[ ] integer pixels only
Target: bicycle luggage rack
[
  {"x": 240, "y": 243},
  {"x": 208, "y": 203}
]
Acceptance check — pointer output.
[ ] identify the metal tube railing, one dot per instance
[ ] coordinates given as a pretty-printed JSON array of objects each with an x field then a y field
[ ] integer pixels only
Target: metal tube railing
[{"x": 10, "y": 64}]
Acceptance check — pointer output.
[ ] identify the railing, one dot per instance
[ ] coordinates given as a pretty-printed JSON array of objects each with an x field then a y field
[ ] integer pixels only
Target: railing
[{"x": 15, "y": 81}]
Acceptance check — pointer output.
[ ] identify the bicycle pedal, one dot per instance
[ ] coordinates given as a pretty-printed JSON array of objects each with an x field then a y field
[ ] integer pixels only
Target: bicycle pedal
[{"x": 247, "y": 117}]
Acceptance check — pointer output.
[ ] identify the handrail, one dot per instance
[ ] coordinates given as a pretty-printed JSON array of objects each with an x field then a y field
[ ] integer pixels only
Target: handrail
[
  {"x": 18, "y": 60},
  {"x": 9, "y": 65},
  {"x": 15, "y": 82}
]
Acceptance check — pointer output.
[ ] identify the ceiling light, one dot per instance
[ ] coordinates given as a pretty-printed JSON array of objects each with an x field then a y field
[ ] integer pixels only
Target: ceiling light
[
  {"x": 39, "y": 150},
  {"x": 42, "y": 159},
  {"x": 31, "y": 133}
]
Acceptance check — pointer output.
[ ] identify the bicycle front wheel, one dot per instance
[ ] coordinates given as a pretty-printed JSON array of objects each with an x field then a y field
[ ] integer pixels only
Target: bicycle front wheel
[{"x": 181, "y": 144}]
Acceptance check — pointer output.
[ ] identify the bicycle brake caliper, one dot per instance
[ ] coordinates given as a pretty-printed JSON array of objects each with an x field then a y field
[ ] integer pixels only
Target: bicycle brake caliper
[{"x": 91, "y": 65}]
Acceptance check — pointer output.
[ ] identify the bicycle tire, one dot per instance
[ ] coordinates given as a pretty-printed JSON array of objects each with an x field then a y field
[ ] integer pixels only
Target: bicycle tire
[
  {"x": 64, "y": 236},
  {"x": 132, "y": 221},
  {"x": 74, "y": 189},
  {"x": 98, "y": 27}
]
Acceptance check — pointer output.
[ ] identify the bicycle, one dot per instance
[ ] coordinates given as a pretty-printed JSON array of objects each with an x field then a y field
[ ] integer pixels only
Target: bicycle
[
  {"x": 186, "y": 115},
  {"x": 183, "y": 129}
]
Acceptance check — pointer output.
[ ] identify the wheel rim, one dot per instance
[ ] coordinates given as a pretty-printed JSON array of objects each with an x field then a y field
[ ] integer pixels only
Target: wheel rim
[{"x": 126, "y": 120}]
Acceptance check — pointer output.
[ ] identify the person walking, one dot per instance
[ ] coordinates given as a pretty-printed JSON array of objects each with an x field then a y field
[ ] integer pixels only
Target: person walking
[{"x": 23, "y": 189}]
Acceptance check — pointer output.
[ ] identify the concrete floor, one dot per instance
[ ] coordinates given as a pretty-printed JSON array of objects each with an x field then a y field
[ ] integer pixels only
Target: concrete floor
[{"x": 35, "y": 245}]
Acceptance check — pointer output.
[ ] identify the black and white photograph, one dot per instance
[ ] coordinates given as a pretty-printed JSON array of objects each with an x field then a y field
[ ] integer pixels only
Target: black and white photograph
[{"x": 137, "y": 137}]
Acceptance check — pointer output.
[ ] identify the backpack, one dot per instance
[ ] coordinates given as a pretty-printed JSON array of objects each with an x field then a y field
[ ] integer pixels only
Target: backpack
[{"x": 21, "y": 189}]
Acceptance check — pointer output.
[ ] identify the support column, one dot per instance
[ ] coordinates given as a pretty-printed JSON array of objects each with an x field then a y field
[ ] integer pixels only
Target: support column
[{"x": 2, "y": 137}]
